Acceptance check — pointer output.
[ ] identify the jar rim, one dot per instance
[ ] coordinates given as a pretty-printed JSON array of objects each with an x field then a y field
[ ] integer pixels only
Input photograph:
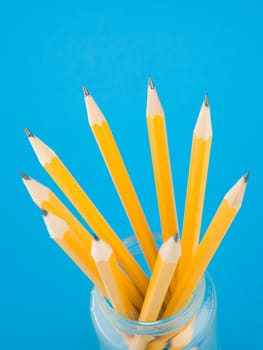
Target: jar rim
[{"x": 162, "y": 326}]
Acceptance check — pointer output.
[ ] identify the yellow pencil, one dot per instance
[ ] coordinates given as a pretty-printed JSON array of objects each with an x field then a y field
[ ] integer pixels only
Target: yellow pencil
[
  {"x": 121, "y": 179},
  {"x": 109, "y": 271},
  {"x": 162, "y": 274},
  {"x": 161, "y": 163},
  {"x": 46, "y": 200},
  {"x": 215, "y": 233},
  {"x": 61, "y": 233},
  {"x": 59, "y": 173},
  {"x": 201, "y": 145},
  {"x": 163, "y": 271}
]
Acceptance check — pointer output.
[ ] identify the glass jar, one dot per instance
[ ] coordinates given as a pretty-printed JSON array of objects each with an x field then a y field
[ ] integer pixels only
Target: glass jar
[{"x": 192, "y": 328}]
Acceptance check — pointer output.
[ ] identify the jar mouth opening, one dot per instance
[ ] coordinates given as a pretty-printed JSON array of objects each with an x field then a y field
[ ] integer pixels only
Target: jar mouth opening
[{"x": 163, "y": 325}]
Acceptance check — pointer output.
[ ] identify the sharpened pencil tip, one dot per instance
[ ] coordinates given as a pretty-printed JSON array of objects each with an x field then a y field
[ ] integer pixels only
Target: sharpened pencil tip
[
  {"x": 206, "y": 100},
  {"x": 176, "y": 237},
  {"x": 96, "y": 237},
  {"x": 150, "y": 83},
  {"x": 44, "y": 212},
  {"x": 25, "y": 177},
  {"x": 28, "y": 132},
  {"x": 85, "y": 91},
  {"x": 246, "y": 176}
]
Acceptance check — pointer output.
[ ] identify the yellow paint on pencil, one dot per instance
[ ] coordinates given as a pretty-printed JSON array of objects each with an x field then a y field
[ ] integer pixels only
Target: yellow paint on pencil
[
  {"x": 161, "y": 163},
  {"x": 200, "y": 154}
]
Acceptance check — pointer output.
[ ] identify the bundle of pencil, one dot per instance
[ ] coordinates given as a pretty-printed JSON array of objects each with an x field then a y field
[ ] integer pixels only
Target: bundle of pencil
[{"x": 179, "y": 264}]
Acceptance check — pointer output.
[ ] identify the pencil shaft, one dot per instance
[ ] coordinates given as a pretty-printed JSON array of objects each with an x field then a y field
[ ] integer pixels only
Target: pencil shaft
[
  {"x": 194, "y": 200},
  {"x": 162, "y": 175},
  {"x": 151, "y": 309}
]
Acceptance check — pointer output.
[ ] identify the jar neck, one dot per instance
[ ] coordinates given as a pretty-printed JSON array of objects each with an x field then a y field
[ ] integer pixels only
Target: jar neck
[{"x": 157, "y": 328}]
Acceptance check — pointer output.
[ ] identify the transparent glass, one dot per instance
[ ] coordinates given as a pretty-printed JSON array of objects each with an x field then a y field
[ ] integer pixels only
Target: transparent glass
[{"x": 192, "y": 328}]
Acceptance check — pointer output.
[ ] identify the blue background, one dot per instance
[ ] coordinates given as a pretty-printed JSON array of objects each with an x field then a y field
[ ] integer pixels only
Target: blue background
[{"x": 48, "y": 50}]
